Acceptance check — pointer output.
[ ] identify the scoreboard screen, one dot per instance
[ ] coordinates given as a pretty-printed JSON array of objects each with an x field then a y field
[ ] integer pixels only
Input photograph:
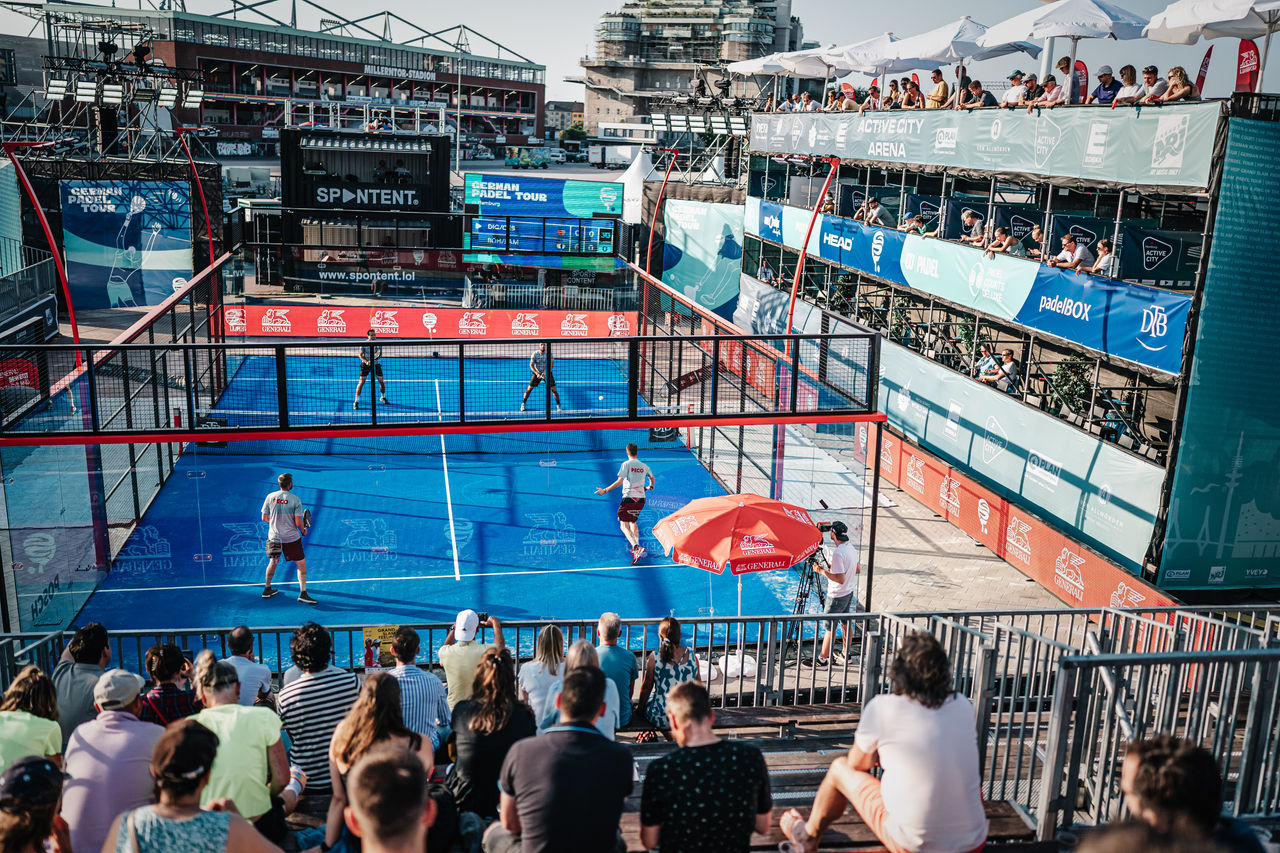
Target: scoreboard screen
[{"x": 569, "y": 236}]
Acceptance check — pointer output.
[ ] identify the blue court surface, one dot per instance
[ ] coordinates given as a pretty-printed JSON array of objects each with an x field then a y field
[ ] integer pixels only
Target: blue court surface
[{"x": 415, "y": 528}]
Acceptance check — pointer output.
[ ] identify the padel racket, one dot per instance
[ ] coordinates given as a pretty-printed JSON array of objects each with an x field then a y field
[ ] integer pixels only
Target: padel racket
[{"x": 306, "y": 521}]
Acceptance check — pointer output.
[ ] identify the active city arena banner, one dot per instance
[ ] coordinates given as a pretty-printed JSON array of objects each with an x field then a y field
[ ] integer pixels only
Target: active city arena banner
[
  {"x": 702, "y": 254},
  {"x": 309, "y": 321},
  {"x": 127, "y": 243},
  {"x": 1140, "y": 324},
  {"x": 1171, "y": 146}
]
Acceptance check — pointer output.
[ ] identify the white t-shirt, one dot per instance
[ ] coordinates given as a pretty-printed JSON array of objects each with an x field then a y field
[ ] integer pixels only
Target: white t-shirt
[
  {"x": 1106, "y": 264},
  {"x": 1014, "y": 94},
  {"x": 1057, "y": 96},
  {"x": 1137, "y": 90},
  {"x": 255, "y": 679},
  {"x": 536, "y": 680},
  {"x": 280, "y": 508},
  {"x": 1082, "y": 251},
  {"x": 844, "y": 562},
  {"x": 931, "y": 785},
  {"x": 632, "y": 473}
]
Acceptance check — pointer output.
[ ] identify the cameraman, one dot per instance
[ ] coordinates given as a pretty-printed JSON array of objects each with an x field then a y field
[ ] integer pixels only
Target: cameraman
[
  {"x": 842, "y": 591},
  {"x": 460, "y": 655}
]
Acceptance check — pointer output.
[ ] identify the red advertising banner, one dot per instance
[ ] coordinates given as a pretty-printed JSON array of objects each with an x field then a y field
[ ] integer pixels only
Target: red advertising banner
[
  {"x": 1204, "y": 69},
  {"x": 1082, "y": 83},
  {"x": 20, "y": 372},
  {"x": 1074, "y": 574},
  {"x": 310, "y": 321},
  {"x": 1247, "y": 67}
]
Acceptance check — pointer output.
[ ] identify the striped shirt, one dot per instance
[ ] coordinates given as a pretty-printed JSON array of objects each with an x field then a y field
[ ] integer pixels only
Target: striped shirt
[
  {"x": 311, "y": 708},
  {"x": 423, "y": 700}
]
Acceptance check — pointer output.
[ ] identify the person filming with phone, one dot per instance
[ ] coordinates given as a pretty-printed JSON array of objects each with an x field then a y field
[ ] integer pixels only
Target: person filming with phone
[{"x": 460, "y": 655}]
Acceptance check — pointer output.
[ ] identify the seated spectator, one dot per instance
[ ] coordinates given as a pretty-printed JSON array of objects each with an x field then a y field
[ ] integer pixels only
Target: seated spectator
[
  {"x": 986, "y": 362},
  {"x": 1153, "y": 84},
  {"x": 973, "y": 234},
  {"x": 484, "y": 729},
  {"x": 929, "y": 796},
  {"x": 1033, "y": 242},
  {"x": 836, "y": 103},
  {"x": 619, "y": 664},
  {"x": 109, "y": 761},
  {"x": 171, "y": 697},
  {"x": 1050, "y": 96},
  {"x": 1180, "y": 87},
  {"x": 770, "y": 106},
  {"x": 181, "y": 765},
  {"x": 1107, "y": 89},
  {"x": 251, "y": 768},
  {"x": 566, "y": 789},
  {"x": 1016, "y": 94},
  {"x": 978, "y": 97},
  {"x": 670, "y": 665},
  {"x": 1131, "y": 91},
  {"x": 1004, "y": 243},
  {"x": 913, "y": 99},
  {"x": 873, "y": 213},
  {"x": 460, "y": 654},
  {"x": 424, "y": 704},
  {"x": 850, "y": 103},
  {"x": 913, "y": 225},
  {"x": 1034, "y": 90},
  {"x": 808, "y": 104},
  {"x": 540, "y": 674},
  {"x": 707, "y": 783},
  {"x": 893, "y": 97},
  {"x": 939, "y": 94},
  {"x": 81, "y": 665},
  {"x": 1073, "y": 256},
  {"x": 1176, "y": 787},
  {"x": 765, "y": 272},
  {"x": 312, "y": 706},
  {"x": 581, "y": 654},
  {"x": 830, "y": 104},
  {"x": 373, "y": 720},
  {"x": 1134, "y": 835},
  {"x": 255, "y": 679},
  {"x": 389, "y": 810},
  {"x": 29, "y": 718},
  {"x": 29, "y": 821},
  {"x": 1105, "y": 263},
  {"x": 1006, "y": 371},
  {"x": 872, "y": 101},
  {"x": 828, "y": 204}
]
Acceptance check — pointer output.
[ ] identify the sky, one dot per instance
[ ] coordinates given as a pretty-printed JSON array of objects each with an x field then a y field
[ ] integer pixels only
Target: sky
[{"x": 556, "y": 33}]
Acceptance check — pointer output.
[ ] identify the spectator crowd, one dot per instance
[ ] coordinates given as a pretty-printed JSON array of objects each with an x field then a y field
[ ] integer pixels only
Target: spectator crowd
[{"x": 204, "y": 755}]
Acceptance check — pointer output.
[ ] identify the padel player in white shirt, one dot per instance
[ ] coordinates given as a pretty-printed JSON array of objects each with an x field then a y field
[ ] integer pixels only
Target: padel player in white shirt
[{"x": 636, "y": 478}]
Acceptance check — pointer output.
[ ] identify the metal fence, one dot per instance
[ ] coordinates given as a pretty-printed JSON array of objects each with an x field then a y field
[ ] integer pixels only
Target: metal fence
[{"x": 539, "y": 297}]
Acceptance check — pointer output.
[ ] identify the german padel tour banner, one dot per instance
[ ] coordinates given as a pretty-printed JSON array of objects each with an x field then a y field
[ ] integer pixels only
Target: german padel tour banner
[
  {"x": 128, "y": 243},
  {"x": 1171, "y": 146},
  {"x": 702, "y": 258},
  {"x": 511, "y": 195},
  {"x": 307, "y": 321}
]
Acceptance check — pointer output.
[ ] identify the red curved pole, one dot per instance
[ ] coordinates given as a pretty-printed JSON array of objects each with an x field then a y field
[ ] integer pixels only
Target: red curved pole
[
  {"x": 813, "y": 218},
  {"x": 208, "y": 226},
  {"x": 9, "y": 149},
  {"x": 658, "y": 206}
]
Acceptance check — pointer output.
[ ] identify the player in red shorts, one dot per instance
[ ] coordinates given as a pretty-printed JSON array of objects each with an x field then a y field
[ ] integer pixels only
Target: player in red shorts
[
  {"x": 287, "y": 523},
  {"x": 632, "y": 476}
]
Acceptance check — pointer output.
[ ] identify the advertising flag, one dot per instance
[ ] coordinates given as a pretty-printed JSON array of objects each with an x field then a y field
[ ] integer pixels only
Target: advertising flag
[
  {"x": 1082, "y": 83},
  {"x": 1247, "y": 67},
  {"x": 1204, "y": 69}
]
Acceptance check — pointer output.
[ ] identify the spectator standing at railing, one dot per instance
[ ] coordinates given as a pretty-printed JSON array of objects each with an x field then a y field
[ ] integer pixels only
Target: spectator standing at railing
[
  {"x": 914, "y": 98},
  {"x": 973, "y": 233},
  {"x": 1034, "y": 89},
  {"x": 1050, "y": 96},
  {"x": 1180, "y": 87},
  {"x": 873, "y": 213},
  {"x": 1154, "y": 86},
  {"x": 1016, "y": 93},
  {"x": 619, "y": 664},
  {"x": 979, "y": 97},
  {"x": 255, "y": 678},
  {"x": 1073, "y": 256},
  {"x": 1107, "y": 89},
  {"x": 81, "y": 665},
  {"x": 709, "y": 795},
  {"x": 312, "y": 705},
  {"x": 872, "y": 101},
  {"x": 109, "y": 761},
  {"x": 938, "y": 95},
  {"x": 172, "y": 695},
  {"x": 29, "y": 718},
  {"x": 929, "y": 797},
  {"x": 1131, "y": 91},
  {"x": 1035, "y": 240},
  {"x": 424, "y": 703},
  {"x": 1105, "y": 263},
  {"x": 1004, "y": 243},
  {"x": 1176, "y": 787}
]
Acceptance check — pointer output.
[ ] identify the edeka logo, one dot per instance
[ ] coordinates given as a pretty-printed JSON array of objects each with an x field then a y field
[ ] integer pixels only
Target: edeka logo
[
  {"x": 574, "y": 326},
  {"x": 385, "y": 322},
  {"x": 1126, "y": 596},
  {"x": 1017, "y": 540},
  {"x": 1155, "y": 325},
  {"x": 994, "y": 440},
  {"x": 945, "y": 139},
  {"x": 1154, "y": 252},
  {"x": 1067, "y": 576},
  {"x": 524, "y": 323},
  {"x": 1044, "y": 469},
  {"x": 915, "y": 473},
  {"x": 1066, "y": 307},
  {"x": 276, "y": 320},
  {"x": 332, "y": 322},
  {"x": 754, "y": 544},
  {"x": 473, "y": 323},
  {"x": 949, "y": 495},
  {"x": 237, "y": 321},
  {"x": 877, "y": 249},
  {"x": 619, "y": 325},
  {"x": 1095, "y": 149},
  {"x": 1170, "y": 143},
  {"x": 1048, "y": 135}
]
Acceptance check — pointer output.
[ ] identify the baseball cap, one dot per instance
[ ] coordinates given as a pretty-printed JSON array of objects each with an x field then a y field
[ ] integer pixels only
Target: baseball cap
[
  {"x": 841, "y": 530},
  {"x": 1150, "y": 69},
  {"x": 1106, "y": 69},
  {"x": 116, "y": 689},
  {"x": 466, "y": 625},
  {"x": 1016, "y": 73},
  {"x": 31, "y": 781}
]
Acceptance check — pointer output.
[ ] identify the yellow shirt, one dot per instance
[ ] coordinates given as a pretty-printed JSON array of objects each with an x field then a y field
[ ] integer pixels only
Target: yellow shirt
[
  {"x": 240, "y": 768},
  {"x": 938, "y": 96},
  {"x": 23, "y": 734},
  {"x": 460, "y": 662}
]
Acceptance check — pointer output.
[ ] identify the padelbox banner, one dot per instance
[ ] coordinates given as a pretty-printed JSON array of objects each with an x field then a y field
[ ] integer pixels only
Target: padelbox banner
[
  {"x": 306, "y": 321},
  {"x": 511, "y": 195},
  {"x": 1169, "y": 146}
]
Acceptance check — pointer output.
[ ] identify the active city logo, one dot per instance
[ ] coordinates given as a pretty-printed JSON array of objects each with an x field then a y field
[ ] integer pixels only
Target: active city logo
[
  {"x": 237, "y": 321},
  {"x": 753, "y": 543},
  {"x": 473, "y": 323},
  {"x": 994, "y": 440},
  {"x": 1020, "y": 226},
  {"x": 928, "y": 211},
  {"x": 1095, "y": 148},
  {"x": 877, "y": 249},
  {"x": 1155, "y": 325},
  {"x": 332, "y": 322},
  {"x": 385, "y": 323},
  {"x": 276, "y": 320},
  {"x": 1044, "y": 469},
  {"x": 1067, "y": 575},
  {"x": 619, "y": 325},
  {"x": 1047, "y": 137},
  {"x": 525, "y": 323},
  {"x": 1126, "y": 596},
  {"x": 1154, "y": 252},
  {"x": 1084, "y": 236},
  {"x": 574, "y": 326},
  {"x": 915, "y": 473},
  {"x": 1017, "y": 540},
  {"x": 1169, "y": 144}
]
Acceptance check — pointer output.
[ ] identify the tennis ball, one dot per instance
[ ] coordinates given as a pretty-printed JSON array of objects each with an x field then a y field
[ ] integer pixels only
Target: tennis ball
[{"x": 601, "y": 397}]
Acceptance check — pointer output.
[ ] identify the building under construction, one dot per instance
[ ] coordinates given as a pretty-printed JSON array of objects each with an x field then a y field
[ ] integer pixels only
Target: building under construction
[{"x": 653, "y": 49}]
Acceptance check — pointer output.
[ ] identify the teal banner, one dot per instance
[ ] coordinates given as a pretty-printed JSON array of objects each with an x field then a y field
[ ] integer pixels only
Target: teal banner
[
  {"x": 702, "y": 258},
  {"x": 1166, "y": 146},
  {"x": 1224, "y": 509}
]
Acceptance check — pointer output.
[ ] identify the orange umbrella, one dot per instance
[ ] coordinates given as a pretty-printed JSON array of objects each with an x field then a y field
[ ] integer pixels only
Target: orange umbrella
[{"x": 747, "y": 533}]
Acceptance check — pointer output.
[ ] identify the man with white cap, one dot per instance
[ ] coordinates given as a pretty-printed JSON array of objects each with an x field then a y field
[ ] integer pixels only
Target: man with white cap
[
  {"x": 108, "y": 760},
  {"x": 460, "y": 655}
]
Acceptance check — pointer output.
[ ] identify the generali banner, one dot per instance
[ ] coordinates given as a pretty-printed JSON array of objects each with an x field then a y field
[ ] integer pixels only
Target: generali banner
[{"x": 309, "y": 321}]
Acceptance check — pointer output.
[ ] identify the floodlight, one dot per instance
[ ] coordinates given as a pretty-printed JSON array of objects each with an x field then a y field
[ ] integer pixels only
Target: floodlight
[
  {"x": 86, "y": 92},
  {"x": 738, "y": 125},
  {"x": 698, "y": 123},
  {"x": 659, "y": 121},
  {"x": 57, "y": 88},
  {"x": 719, "y": 125},
  {"x": 680, "y": 124},
  {"x": 112, "y": 94},
  {"x": 193, "y": 99},
  {"x": 168, "y": 97},
  {"x": 144, "y": 96}
]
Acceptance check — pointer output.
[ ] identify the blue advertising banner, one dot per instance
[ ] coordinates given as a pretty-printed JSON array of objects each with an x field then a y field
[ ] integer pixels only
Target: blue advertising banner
[
  {"x": 1140, "y": 324},
  {"x": 1162, "y": 258},
  {"x": 127, "y": 243},
  {"x": 703, "y": 254},
  {"x": 503, "y": 195}
]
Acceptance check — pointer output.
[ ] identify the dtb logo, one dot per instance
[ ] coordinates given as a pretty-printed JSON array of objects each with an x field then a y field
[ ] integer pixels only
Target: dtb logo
[{"x": 1155, "y": 325}]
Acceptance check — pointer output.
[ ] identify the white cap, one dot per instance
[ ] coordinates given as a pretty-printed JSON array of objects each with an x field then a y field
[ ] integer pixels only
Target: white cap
[
  {"x": 116, "y": 689},
  {"x": 1106, "y": 69},
  {"x": 466, "y": 625}
]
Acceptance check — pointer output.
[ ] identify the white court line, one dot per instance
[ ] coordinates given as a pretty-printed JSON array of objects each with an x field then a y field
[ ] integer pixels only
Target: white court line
[
  {"x": 310, "y": 582},
  {"x": 448, "y": 498}
]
